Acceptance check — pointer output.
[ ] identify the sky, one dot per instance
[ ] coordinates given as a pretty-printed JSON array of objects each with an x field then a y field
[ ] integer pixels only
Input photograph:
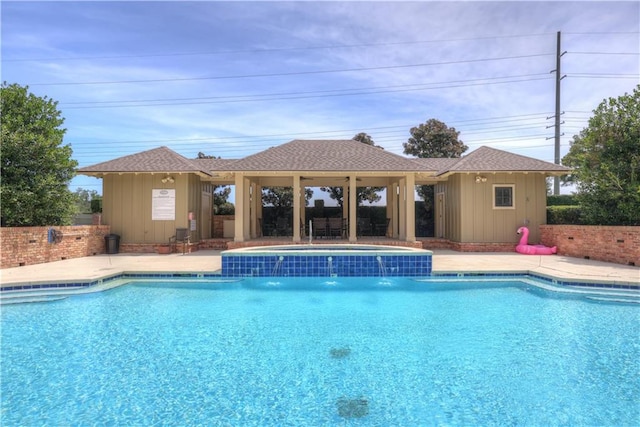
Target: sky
[{"x": 231, "y": 79}]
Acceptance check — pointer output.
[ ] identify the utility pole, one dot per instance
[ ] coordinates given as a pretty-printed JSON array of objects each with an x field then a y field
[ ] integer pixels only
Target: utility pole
[{"x": 559, "y": 76}]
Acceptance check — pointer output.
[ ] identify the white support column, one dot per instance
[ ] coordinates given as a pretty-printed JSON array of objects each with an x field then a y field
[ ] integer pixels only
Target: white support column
[
  {"x": 353, "y": 208},
  {"x": 411, "y": 208},
  {"x": 389, "y": 209},
  {"x": 296, "y": 208},
  {"x": 395, "y": 215},
  {"x": 259, "y": 208},
  {"x": 402, "y": 209},
  {"x": 303, "y": 213},
  {"x": 246, "y": 218},
  {"x": 238, "y": 234},
  {"x": 254, "y": 211},
  {"x": 345, "y": 201}
]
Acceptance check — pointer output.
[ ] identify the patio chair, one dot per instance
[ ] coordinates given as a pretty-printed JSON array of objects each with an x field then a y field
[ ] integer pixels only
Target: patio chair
[
  {"x": 335, "y": 227},
  {"x": 381, "y": 229},
  {"x": 282, "y": 227},
  {"x": 364, "y": 226},
  {"x": 182, "y": 236},
  {"x": 319, "y": 227}
]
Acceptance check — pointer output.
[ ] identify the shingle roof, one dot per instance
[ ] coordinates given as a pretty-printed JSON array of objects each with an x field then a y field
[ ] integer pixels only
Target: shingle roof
[
  {"x": 487, "y": 159},
  {"x": 435, "y": 164},
  {"x": 160, "y": 159},
  {"x": 324, "y": 155},
  {"x": 214, "y": 164}
]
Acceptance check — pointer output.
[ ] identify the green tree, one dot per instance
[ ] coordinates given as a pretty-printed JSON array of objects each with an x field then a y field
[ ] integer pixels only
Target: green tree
[
  {"x": 36, "y": 167},
  {"x": 432, "y": 139},
  {"x": 606, "y": 161},
  {"x": 84, "y": 198},
  {"x": 369, "y": 194},
  {"x": 281, "y": 198}
]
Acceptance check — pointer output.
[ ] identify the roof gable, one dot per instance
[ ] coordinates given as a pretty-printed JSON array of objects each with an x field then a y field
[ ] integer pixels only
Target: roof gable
[
  {"x": 324, "y": 155},
  {"x": 487, "y": 159},
  {"x": 160, "y": 159}
]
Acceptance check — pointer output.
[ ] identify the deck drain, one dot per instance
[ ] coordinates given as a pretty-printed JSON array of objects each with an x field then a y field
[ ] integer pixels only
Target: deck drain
[
  {"x": 353, "y": 408},
  {"x": 340, "y": 353}
]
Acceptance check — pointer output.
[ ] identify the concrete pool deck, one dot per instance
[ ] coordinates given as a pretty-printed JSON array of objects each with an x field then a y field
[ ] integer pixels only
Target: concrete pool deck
[{"x": 444, "y": 261}]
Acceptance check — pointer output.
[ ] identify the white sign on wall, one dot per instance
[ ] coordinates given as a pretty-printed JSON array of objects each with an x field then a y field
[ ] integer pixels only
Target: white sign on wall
[{"x": 163, "y": 205}]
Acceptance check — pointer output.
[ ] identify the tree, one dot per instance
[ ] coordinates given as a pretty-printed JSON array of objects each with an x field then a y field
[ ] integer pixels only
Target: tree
[
  {"x": 281, "y": 198},
  {"x": 36, "y": 167},
  {"x": 433, "y": 139},
  {"x": 369, "y": 194},
  {"x": 84, "y": 198},
  {"x": 606, "y": 161}
]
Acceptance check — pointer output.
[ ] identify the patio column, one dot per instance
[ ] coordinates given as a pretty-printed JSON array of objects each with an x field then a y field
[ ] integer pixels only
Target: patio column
[
  {"x": 303, "y": 213},
  {"x": 389, "y": 209},
  {"x": 345, "y": 204},
  {"x": 296, "y": 208},
  {"x": 253, "y": 188},
  {"x": 395, "y": 215},
  {"x": 402, "y": 209},
  {"x": 353, "y": 207},
  {"x": 411, "y": 208},
  {"x": 259, "y": 209},
  {"x": 238, "y": 235}
]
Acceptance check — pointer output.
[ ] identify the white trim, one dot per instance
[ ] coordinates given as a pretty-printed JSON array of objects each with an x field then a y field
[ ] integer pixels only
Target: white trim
[{"x": 513, "y": 196}]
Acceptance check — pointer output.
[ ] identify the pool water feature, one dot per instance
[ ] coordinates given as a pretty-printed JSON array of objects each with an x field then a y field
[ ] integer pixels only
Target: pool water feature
[
  {"x": 321, "y": 351},
  {"x": 326, "y": 260}
]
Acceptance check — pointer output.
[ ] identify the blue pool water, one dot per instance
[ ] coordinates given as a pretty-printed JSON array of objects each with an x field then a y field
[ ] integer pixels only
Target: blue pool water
[{"x": 286, "y": 352}]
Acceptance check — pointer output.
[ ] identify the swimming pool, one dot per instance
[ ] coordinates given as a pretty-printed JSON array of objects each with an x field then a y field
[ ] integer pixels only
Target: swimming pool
[{"x": 323, "y": 351}]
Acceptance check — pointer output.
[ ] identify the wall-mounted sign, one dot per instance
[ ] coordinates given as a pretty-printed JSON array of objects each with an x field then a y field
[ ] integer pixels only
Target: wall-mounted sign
[{"x": 163, "y": 205}]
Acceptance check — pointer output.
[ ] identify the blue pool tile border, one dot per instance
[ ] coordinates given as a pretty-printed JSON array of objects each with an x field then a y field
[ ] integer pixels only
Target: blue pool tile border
[
  {"x": 217, "y": 275},
  {"x": 334, "y": 265}
]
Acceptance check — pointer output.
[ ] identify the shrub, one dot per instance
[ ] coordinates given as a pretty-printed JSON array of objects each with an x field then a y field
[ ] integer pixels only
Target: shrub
[
  {"x": 564, "y": 215},
  {"x": 562, "y": 200}
]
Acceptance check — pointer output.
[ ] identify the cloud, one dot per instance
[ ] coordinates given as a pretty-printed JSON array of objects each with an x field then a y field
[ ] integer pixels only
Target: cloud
[{"x": 125, "y": 41}]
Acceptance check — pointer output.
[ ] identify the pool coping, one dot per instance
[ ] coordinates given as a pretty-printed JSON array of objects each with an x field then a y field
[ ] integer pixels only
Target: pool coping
[{"x": 124, "y": 275}]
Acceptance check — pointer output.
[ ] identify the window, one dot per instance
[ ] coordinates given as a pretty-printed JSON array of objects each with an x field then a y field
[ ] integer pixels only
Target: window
[{"x": 503, "y": 196}]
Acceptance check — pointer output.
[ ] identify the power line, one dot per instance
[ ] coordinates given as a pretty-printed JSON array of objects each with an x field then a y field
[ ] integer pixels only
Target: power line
[
  {"x": 414, "y": 85},
  {"x": 263, "y": 98},
  {"x": 604, "y": 53},
  {"x": 248, "y": 138},
  {"x": 603, "y": 76},
  {"x": 293, "y": 73},
  {"x": 266, "y": 50}
]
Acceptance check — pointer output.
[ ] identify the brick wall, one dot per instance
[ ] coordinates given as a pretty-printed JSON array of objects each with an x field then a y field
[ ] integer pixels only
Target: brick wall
[
  {"x": 29, "y": 245},
  {"x": 603, "y": 243}
]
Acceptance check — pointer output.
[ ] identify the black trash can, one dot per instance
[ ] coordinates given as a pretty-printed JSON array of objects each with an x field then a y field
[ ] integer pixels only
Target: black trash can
[{"x": 112, "y": 243}]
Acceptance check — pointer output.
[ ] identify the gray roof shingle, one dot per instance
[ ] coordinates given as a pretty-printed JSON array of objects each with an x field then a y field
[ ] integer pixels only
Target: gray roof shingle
[
  {"x": 487, "y": 159},
  {"x": 324, "y": 155},
  {"x": 161, "y": 159}
]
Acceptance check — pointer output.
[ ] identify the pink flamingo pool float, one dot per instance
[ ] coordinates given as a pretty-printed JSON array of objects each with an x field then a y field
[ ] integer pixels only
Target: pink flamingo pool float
[{"x": 525, "y": 248}]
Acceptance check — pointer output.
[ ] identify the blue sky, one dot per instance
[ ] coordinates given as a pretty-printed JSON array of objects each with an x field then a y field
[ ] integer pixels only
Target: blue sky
[{"x": 234, "y": 78}]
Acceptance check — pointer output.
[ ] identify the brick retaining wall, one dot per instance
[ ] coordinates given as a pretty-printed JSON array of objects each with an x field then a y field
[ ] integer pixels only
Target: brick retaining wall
[
  {"x": 603, "y": 243},
  {"x": 29, "y": 245}
]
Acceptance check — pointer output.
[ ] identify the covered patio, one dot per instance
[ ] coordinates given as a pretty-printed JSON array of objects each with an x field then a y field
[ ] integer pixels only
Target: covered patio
[{"x": 347, "y": 164}]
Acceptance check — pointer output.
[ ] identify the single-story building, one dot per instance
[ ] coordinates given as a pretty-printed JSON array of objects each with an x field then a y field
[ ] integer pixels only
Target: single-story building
[{"x": 480, "y": 199}]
